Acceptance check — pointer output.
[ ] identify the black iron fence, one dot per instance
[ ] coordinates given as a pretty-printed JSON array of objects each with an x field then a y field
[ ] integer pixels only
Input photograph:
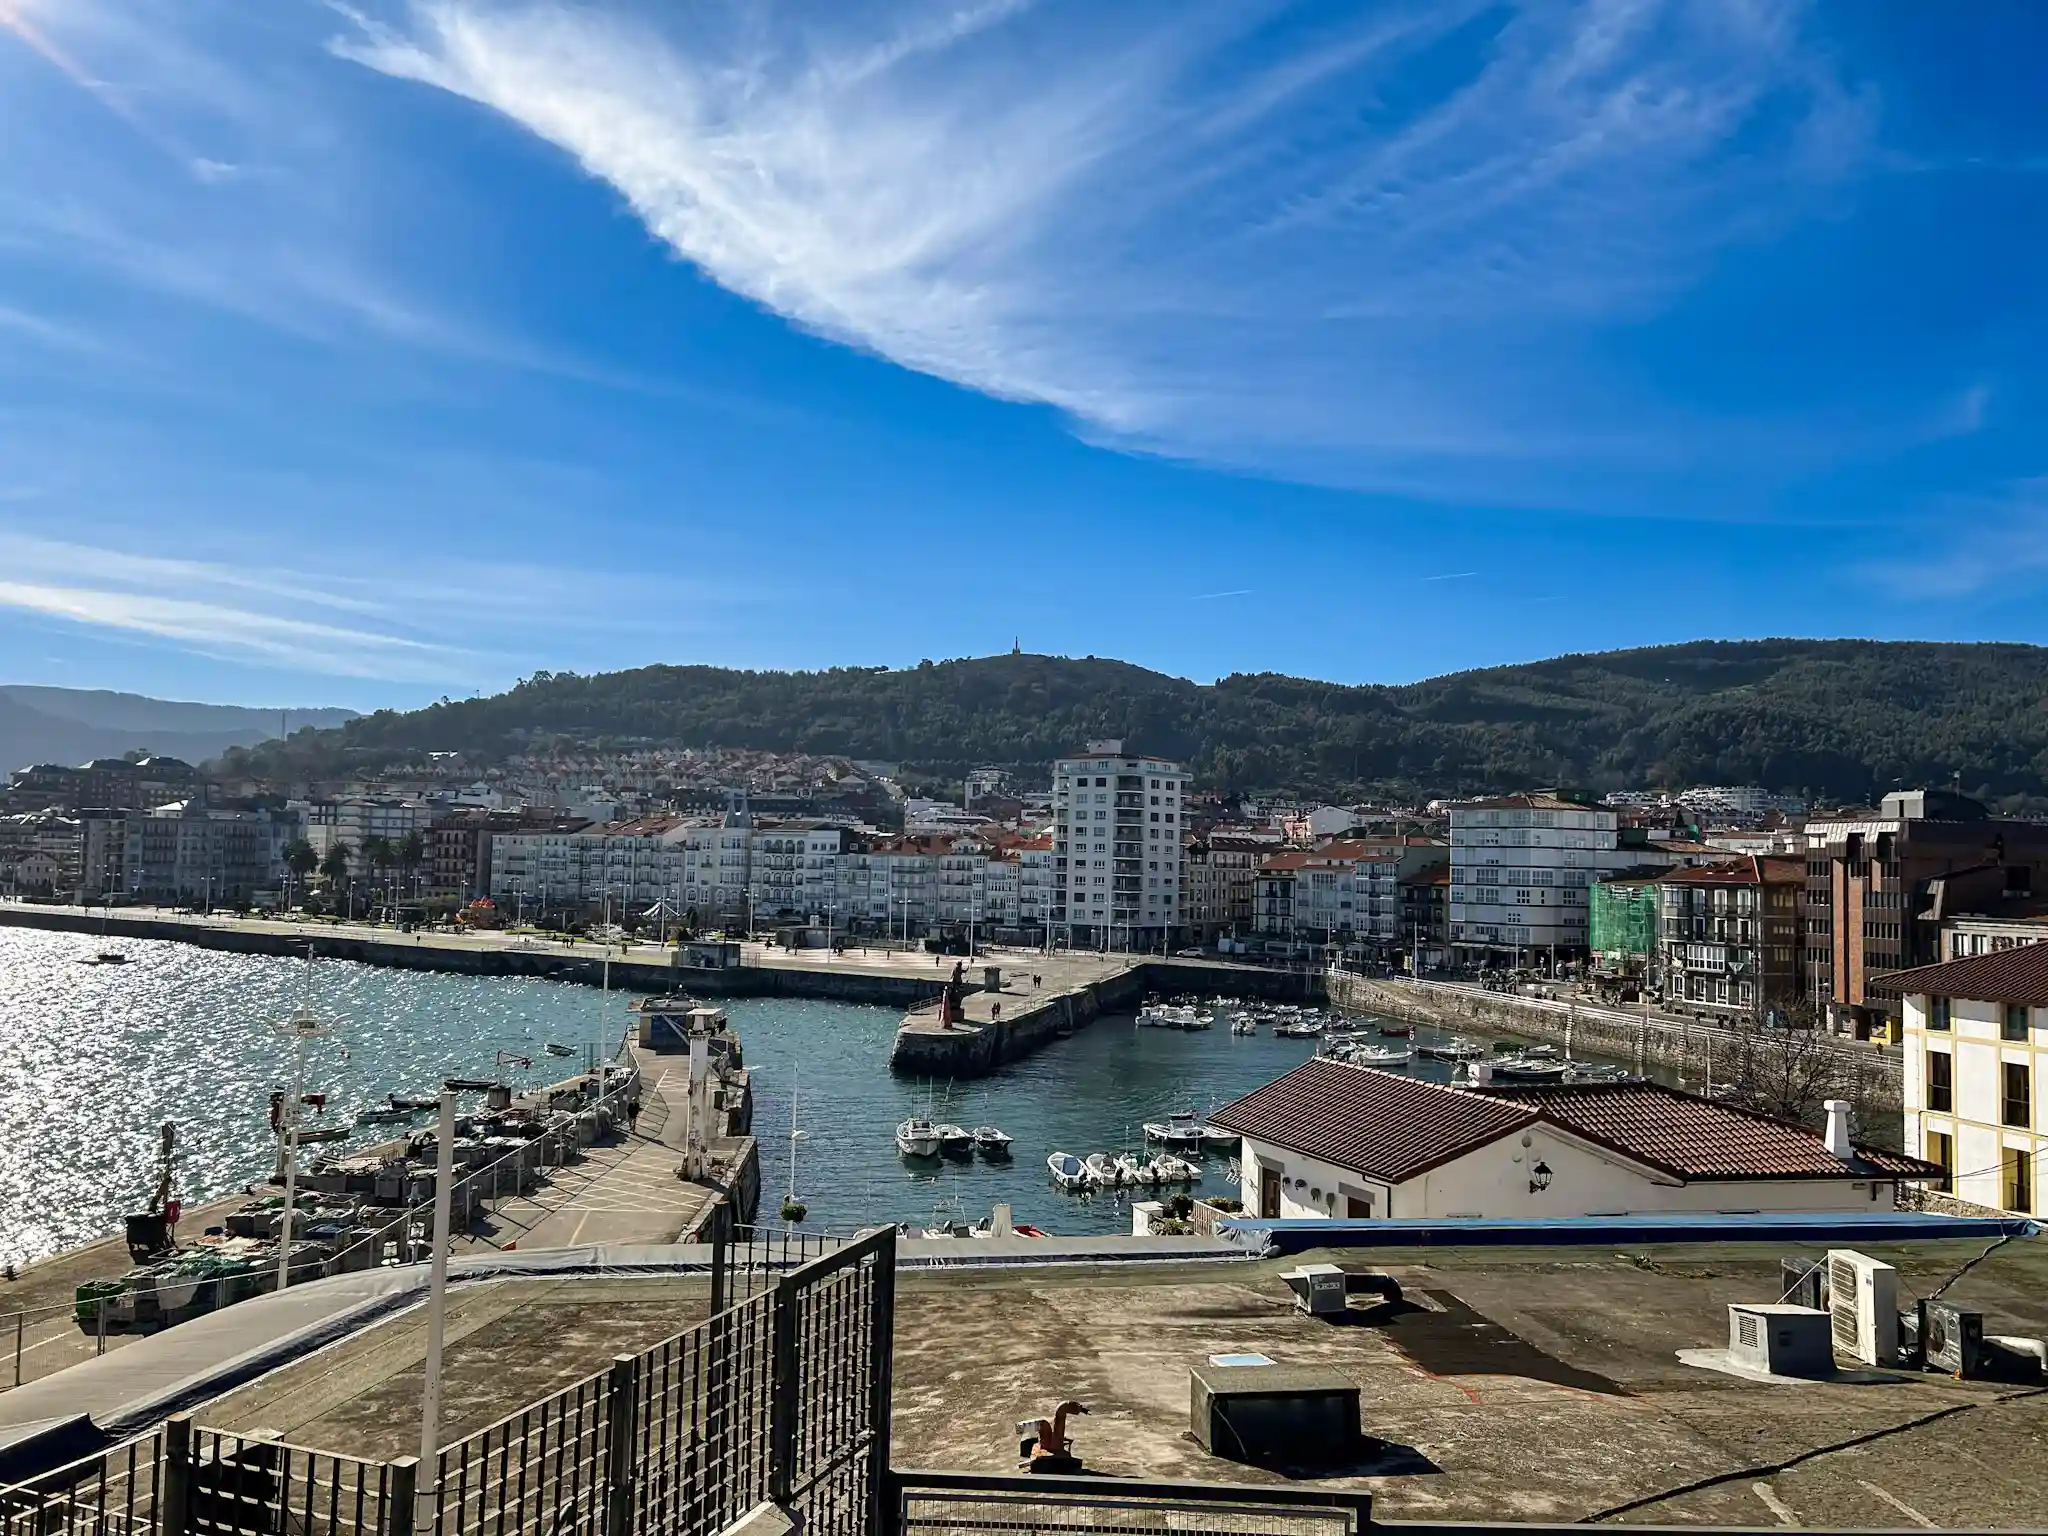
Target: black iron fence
[
  {"x": 781, "y": 1394},
  {"x": 202, "y": 1482}
]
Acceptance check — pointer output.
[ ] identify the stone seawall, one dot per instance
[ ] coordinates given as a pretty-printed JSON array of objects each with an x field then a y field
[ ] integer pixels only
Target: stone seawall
[
  {"x": 922, "y": 1049},
  {"x": 1867, "y": 1077}
]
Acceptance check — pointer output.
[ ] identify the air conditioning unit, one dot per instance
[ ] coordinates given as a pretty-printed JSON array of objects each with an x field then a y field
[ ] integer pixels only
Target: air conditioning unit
[
  {"x": 1952, "y": 1337},
  {"x": 1780, "y": 1338},
  {"x": 1863, "y": 1298}
]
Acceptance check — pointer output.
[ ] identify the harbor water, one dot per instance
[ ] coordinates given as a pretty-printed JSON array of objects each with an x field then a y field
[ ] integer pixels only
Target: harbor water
[{"x": 93, "y": 1058}]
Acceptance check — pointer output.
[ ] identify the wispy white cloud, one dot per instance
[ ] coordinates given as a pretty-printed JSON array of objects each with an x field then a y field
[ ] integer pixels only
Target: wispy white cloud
[
  {"x": 1323, "y": 243},
  {"x": 1995, "y": 544},
  {"x": 1450, "y": 576},
  {"x": 337, "y": 623}
]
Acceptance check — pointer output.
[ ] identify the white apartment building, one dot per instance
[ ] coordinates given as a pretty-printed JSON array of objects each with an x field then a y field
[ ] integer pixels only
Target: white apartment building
[
  {"x": 1345, "y": 892},
  {"x": 1976, "y": 1039},
  {"x": 1969, "y": 934},
  {"x": 1117, "y": 830},
  {"x": 1520, "y": 869},
  {"x": 355, "y": 819}
]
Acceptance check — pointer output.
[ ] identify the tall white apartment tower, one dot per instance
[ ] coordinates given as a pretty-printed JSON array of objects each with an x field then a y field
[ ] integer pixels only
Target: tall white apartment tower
[{"x": 1116, "y": 844}]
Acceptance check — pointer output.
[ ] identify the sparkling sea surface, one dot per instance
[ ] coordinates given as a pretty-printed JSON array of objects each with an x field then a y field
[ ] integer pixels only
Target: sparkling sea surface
[{"x": 94, "y": 1058}]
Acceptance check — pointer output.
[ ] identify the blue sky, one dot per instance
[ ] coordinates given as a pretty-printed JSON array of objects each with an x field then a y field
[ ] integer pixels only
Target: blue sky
[{"x": 367, "y": 353}]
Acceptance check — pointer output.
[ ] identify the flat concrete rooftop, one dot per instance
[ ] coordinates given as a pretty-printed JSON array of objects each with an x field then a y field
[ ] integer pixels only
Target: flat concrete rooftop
[{"x": 1534, "y": 1384}]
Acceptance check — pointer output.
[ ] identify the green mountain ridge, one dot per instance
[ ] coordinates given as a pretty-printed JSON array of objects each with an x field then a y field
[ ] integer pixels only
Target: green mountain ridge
[{"x": 1842, "y": 720}]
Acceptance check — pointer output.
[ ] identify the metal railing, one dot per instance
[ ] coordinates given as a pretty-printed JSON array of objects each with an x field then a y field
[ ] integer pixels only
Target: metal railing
[
  {"x": 204, "y": 1482},
  {"x": 782, "y": 1393},
  {"x": 990, "y": 1504}
]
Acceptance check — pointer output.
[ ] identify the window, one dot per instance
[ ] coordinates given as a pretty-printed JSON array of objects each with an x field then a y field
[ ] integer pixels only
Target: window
[
  {"x": 1938, "y": 1013},
  {"x": 2019, "y": 1179},
  {"x": 2016, "y": 1101},
  {"x": 1940, "y": 1082},
  {"x": 2014, "y": 1025},
  {"x": 1941, "y": 1149}
]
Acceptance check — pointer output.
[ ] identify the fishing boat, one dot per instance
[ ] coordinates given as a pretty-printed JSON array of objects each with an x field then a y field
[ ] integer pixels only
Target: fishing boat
[
  {"x": 383, "y": 1114},
  {"x": 556, "y": 1049},
  {"x": 417, "y": 1102},
  {"x": 955, "y": 1140},
  {"x": 1396, "y": 1029},
  {"x": 917, "y": 1137},
  {"x": 1453, "y": 1049},
  {"x": 1530, "y": 1068},
  {"x": 1369, "y": 1055},
  {"x": 1068, "y": 1171},
  {"x": 318, "y": 1133},
  {"x": 1177, "y": 1130},
  {"x": 1243, "y": 1024},
  {"x": 1222, "y": 1140},
  {"x": 1297, "y": 1029},
  {"x": 1102, "y": 1170},
  {"x": 991, "y": 1142}
]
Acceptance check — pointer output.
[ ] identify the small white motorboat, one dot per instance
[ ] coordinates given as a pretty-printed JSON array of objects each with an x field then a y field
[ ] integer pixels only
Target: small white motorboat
[
  {"x": 1102, "y": 1170},
  {"x": 1530, "y": 1069},
  {"x": 955, "y": 1140},
  {"x": 1068, "y": 1171},
  {"x": 1297, "y": 1029},
  {"x": 1454, "y": 1049},
  {"x": 991, "y": 1142},
  {"x": 1177, "y": 1131},
  {"x": 384, "y": 1114},
  {"x": 917, "y": 1137},
  {"x": 1131, "y": 1170},
  {"x": 1243, "y": 1024},
  {"x": 1370, "y": 1055},
  {"x": 1168, "y": 1169}
]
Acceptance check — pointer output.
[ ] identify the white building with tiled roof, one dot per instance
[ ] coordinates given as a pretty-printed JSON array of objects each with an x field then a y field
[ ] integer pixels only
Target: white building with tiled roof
[{"x": 1336, "y": 1141}]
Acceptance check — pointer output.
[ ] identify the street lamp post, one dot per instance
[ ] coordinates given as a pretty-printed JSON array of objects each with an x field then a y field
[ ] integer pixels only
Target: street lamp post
[{"x": 302, "y": 1028}]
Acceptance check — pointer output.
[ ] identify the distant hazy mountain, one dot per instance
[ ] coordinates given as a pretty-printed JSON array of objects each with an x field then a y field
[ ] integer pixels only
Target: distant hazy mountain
[
  {"x": 74, "y": 725},
  {"x": 1845, "y": 719}
]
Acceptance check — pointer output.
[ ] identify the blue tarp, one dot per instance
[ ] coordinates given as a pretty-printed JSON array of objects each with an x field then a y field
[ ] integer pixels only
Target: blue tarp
[{"x": 1837, "y": 1228}]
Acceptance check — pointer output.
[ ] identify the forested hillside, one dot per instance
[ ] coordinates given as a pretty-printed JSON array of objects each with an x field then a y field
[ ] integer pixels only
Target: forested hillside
[{"x": 1840, "y": 719}]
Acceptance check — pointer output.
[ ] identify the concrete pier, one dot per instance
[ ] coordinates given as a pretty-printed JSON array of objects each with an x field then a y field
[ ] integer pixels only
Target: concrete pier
[{"x": 1076, "y": 990}]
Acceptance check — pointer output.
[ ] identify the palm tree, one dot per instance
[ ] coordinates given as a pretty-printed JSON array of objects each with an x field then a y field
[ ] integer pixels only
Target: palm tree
[
  {"x": 300, "y": 859},
  {"x": 335, "y": 866},
  {"x": 412, "y": 853},
  {"x": 379, "y": 855}
]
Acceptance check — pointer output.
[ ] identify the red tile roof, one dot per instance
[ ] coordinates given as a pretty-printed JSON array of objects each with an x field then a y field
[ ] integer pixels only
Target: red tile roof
[
  {"x": 1702, "y": 1140},
  {"x": 1380, "y": 1124},
  {"x": 2004, "y": 976},
  {"x": 1392, "y": 1128},
  {"x": 1750, "y": 869}
]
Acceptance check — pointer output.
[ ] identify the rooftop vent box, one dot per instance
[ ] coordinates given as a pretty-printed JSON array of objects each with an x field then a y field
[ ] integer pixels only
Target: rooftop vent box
[
  {"x": 1274, "y": 1415},
  {"x": 1782, "y": 1339},
  {"x": 1952, "y": 1338},
  {"x": 1318, "y": 1288}
]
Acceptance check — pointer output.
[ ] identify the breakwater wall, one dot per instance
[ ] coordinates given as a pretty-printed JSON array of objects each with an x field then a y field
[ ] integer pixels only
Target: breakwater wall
[
  {"x": 1031, "y": 1021},
  {"x": 1701, "y": 1053}
]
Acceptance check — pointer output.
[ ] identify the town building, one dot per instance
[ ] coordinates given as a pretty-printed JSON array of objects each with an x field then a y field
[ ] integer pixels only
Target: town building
[
  {"x": 1344, "y": 892},
  {"x": 1220, "y": 868},
  {"x": 1868, "y": 884},
  {"x": 1975, "y": 1041},
  {"x": 1728, "y": 938},
  {"x": 362, "y": 822},
  {"x": 1521, "y": 867},
  {"x": 41, "y": 854},
  {"x": 1426, "y": 915},
  {"x": 105, "y": 783},
  {"x": 191, "y": 852},
  {"x": 1332, "y": 1140},
  {"x": 1117, "y": 848}
]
